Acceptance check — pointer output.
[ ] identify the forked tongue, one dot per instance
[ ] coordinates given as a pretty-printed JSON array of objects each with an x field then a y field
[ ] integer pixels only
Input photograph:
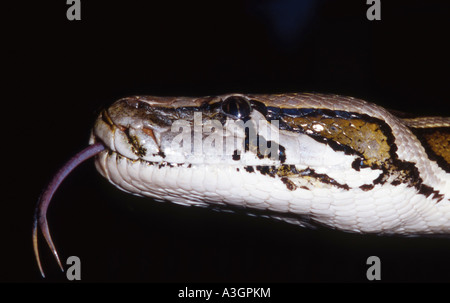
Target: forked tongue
[{"x": 40, "y": 214}]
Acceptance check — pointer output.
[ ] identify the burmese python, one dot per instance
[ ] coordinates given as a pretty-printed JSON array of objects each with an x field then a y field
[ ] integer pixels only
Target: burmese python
[{"x": 304, "y": 158}]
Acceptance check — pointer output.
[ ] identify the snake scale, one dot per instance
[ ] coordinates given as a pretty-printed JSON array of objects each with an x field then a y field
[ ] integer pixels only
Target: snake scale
[{"x": 307, "y": 159}]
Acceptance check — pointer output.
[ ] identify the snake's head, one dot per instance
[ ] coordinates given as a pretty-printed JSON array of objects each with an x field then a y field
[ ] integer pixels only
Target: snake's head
[
  {"x": 294, "y": 143},
  {"x": 229, "y": 129}
]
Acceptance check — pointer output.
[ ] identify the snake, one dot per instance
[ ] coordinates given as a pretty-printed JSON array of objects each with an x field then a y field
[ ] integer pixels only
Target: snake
[{"x": 305, "y": 158}]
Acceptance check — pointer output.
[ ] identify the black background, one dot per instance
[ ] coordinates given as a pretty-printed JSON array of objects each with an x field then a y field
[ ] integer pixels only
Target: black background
[{"x": 59, "y": 73}]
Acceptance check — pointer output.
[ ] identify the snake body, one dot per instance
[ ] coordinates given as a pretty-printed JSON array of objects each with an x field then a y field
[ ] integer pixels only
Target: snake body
[
  {"x": 303, "y": 158},
  {"x": 307, "y": 159}
]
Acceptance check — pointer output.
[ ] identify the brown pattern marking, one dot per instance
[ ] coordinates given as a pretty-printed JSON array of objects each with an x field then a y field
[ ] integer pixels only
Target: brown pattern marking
[{"x": 359, "y": 134}]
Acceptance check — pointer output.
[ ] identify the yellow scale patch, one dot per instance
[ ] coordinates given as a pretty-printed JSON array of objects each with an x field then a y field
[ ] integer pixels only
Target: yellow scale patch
[
  {"x": 364, "y": 137},
  {"x": 439, "y": 142}
]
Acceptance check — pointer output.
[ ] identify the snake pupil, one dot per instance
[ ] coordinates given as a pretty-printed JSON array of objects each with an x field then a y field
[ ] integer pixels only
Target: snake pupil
[{"x": 236, "y": 107}]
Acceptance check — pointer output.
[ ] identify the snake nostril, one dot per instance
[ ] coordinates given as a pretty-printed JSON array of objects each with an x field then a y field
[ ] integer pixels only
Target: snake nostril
[{"x": 237, "y": 107}]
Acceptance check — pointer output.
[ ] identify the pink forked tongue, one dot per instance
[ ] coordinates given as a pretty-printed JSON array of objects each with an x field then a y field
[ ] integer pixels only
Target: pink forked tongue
[{"x": 40, "y": 214}]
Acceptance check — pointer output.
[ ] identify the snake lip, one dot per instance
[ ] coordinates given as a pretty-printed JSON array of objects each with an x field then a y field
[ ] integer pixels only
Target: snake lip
[{"x": 141, "y": 141}]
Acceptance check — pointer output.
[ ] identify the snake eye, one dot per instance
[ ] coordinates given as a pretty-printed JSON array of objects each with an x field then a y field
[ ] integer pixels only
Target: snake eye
[{"x": 236, "y": 107}]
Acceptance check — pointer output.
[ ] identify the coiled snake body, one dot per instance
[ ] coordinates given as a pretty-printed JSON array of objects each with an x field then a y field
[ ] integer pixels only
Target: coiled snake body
[{"x": 304, "y": 158}]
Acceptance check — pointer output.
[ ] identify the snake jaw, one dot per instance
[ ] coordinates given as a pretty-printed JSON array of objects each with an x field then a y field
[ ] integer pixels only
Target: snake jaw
[{"x": 40, "y": 215}]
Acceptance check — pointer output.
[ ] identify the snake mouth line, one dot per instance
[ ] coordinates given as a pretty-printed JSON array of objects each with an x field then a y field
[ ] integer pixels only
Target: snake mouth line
[{"x": 160, "y": 164}]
